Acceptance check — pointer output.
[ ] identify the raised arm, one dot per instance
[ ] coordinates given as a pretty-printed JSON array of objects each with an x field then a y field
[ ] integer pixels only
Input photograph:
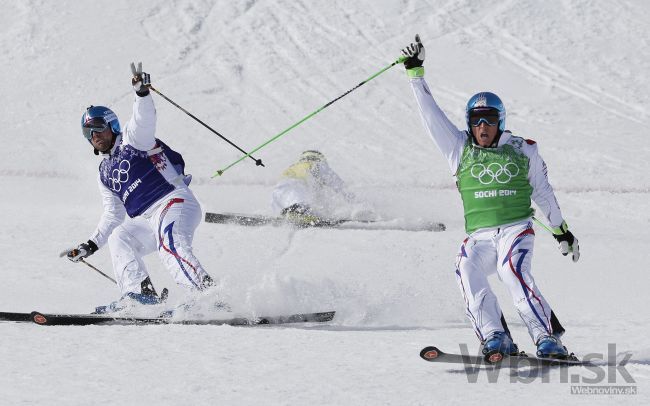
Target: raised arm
[
  {"x": 140, "y": 131},
  {"x": 447, "y": 137}
]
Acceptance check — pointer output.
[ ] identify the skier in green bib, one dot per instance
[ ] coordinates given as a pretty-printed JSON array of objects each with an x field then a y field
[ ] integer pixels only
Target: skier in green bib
[{"x": 497, "y": 175}]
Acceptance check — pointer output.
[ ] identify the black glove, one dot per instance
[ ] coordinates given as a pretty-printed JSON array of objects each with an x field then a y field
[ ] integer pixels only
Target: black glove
[
  {"x": 414, "y": 54},
  {"x": 140, "y": 81},
  {"x": 85, "y": 249},
  {"x": 568, "y": 243}
]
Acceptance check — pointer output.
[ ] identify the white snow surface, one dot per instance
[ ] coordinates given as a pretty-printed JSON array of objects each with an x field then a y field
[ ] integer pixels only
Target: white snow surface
[{"x": 573, "y": 76}]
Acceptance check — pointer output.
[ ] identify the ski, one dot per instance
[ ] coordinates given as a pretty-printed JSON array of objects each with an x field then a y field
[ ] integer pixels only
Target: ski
[
  {"x": 20, "y": 317},
  {"x": 433, "y": 354},
  {"x": 45, "y": 319},
  {"x": 260, "y": 220},
  {"x": 340, "y": 224}
]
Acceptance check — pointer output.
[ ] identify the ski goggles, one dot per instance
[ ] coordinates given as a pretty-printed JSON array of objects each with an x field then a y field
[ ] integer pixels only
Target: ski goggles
[
  {"x": 487, "y": 116},
  {"x": 93, "y": 125}
]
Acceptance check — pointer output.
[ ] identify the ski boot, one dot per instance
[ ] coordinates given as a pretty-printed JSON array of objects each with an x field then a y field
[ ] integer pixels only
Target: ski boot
[
  {"x": 207, "y": 282},
  {"x": 301, "y": 216},
  {"x": 148, "y": 296},
  {"x": 551, "y": 347},
  {"x": 204, "y": 301},
  {"x": 497, "y": 346}
]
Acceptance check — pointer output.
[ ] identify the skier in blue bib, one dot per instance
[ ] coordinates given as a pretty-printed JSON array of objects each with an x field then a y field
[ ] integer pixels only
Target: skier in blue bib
[{"x": 142, "y": 177}]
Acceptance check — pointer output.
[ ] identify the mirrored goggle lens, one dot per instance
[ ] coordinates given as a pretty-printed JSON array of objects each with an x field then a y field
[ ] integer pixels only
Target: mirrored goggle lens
[
  {"x": 92, "y": 126},
  {"x": 490, "y": 119}
]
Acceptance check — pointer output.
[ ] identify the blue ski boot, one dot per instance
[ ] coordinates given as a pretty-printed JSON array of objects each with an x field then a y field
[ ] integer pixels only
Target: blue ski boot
[
  {"x": 147, "y": 297},
  {"x": 551, "y": 347},
  {"x": 497, "y": 346}
]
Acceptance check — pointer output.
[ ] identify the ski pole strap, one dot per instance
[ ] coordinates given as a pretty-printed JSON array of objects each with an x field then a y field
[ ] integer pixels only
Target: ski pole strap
[
  {"x": 415, "y": 72},
  {"x": 563, "y": 228},
  {"x": 312, "y": 114}
]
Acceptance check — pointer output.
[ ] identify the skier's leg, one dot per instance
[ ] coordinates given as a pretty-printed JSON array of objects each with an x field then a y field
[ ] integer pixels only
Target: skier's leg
[
  {"x": 475, "y": 261},
  {"x": 288, "y": 193},
  {"x": 515, "y": 251},
  {"x": 174, "y": 224},
  {"x": 128, "y": 244}
]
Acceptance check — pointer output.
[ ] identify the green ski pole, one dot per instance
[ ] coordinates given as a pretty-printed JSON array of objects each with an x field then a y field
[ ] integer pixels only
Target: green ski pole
[
  {"x": 542, "y": 225},
  {"x": 307, "y": 117}
]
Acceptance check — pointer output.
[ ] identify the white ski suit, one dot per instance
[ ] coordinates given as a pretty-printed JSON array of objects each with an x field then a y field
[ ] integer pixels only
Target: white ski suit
[
  {"x": 506, "y": 249},
  {"x": 144, "y": 178}
]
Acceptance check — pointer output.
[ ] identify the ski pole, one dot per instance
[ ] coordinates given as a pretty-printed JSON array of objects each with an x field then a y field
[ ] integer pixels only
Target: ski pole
[
  {"x": 544, "y": 226},
  {"x": 64, "y": 253},
  {"x": 307, "y": 117},
  {"x": 258, "y": 162},
  {"x": 100, "y": 272}
]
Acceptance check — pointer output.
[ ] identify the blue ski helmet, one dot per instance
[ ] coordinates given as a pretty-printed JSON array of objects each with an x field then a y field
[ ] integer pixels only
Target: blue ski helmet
[
  {"x": 486, "y": 100},
  {"x": 97, "y": 119}
]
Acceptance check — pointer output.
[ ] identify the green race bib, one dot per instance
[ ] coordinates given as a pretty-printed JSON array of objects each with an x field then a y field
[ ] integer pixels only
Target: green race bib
[{"x": 493, "y": 184}]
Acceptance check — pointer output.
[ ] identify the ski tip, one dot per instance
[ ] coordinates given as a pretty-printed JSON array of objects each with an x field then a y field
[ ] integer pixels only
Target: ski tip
[
  {"x": 430, "y": 353},
  {"x": 328, "y": 316},
  {"x": 494, "y": 358},
  {"x": 38, "y": 318}
]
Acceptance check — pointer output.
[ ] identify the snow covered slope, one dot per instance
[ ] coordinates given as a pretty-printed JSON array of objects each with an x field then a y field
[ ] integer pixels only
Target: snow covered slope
[{"x": 573, "y": 76}]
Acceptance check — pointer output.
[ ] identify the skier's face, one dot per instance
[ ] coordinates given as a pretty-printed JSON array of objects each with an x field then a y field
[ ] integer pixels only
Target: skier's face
[
  {"x": 102, "y": 140},
  {"x": 485, "y": 134}
]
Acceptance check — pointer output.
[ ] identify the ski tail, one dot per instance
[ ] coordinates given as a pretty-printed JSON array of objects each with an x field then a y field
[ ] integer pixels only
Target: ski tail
[{"x": 12, "y": 316}]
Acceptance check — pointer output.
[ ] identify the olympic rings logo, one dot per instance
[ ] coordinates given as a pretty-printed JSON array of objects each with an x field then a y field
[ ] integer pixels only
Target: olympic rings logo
[
  {"x": 120, "y": 175},
  {"x": 494, "y": 172}
]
